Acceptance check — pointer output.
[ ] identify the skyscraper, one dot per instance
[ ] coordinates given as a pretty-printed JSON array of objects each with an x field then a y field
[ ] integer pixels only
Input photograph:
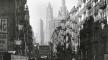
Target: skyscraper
[
  {"x": 49, "y": 18},
  {"x": 41, "y": 32},
  {"x": 49, "y": 12},
  {"x": 63, "y": 12},
  {"x": 52, "y": 22}
]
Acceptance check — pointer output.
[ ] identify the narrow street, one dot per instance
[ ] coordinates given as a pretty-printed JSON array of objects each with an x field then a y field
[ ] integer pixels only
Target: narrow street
[{"x": 53, "y": 29}]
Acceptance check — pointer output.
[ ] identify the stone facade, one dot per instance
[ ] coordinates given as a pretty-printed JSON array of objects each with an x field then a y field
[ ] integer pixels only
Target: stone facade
[
  {"x": 92, "y": 34},
  {"x": 92, "y": 19}
]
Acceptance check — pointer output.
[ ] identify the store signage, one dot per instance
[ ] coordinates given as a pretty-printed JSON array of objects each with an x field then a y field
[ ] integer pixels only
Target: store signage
[
  {"x": 3, "y": 35},
  {"x": 18, "y": 42},
  {"x": 3, "y": 42},
  {"x": 3, "y": 25}
]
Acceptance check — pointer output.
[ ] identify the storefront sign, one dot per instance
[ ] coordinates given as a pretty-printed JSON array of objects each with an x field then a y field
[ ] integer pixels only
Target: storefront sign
[
  {"x": 3, "y": 42},
  {"x": 18, "y": 42},
  {"x": 3, "y": 25},
  {"x": 3, "y": 35}
]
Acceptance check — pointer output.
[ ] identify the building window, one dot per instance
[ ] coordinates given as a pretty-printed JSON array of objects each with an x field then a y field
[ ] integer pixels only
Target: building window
[
  {"x": 84, "y": 1},
  {"x": 96, "y": 1}
]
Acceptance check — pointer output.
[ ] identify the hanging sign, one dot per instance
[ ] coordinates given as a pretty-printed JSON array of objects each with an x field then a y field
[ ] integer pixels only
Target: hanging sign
[
  {"x": 3, "y": 25},
  {"x": 3, "y": 35},
  {"x": 18, "y": 42}
]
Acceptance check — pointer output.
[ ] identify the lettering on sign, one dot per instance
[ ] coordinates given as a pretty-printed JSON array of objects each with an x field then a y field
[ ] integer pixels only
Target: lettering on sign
[
  {"x": 2, "y": 41},
  {"x": 3, "y": 36},
  {"x": 3, "y": 25}
]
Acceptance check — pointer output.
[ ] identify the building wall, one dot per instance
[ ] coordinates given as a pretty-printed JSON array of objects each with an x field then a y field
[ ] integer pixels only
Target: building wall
[
  {"x": 95, "y": 42},
  {"x": 7, "y": 11},
  {"x": 93, "y": 46}
]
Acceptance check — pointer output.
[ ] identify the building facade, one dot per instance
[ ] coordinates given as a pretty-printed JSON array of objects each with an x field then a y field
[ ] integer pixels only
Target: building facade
[
  {"x": 93, "y": 35},
  {"x": 41, "y": 32},
  {"x": 15, "y": 29},
  {"x": 8, "y": 13}
]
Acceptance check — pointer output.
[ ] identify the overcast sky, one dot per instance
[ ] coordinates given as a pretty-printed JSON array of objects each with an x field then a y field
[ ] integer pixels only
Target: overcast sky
[{"x": 37, "y": 10}]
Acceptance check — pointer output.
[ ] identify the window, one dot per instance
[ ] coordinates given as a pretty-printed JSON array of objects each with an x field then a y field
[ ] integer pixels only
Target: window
[{"x": 84, "y": 1}]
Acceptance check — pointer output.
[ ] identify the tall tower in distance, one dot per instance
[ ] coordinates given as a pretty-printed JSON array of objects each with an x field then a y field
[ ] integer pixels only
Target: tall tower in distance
[
  {"x": 49, "y": 12},
  {"x": 63, "y": 11},
  {"x": 41, "y": 32},
  {"x": 63, "y": 3},
  {"x": 49, "y": 18}
]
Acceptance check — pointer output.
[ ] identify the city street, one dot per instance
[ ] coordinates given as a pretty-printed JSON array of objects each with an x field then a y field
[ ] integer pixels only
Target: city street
[{"x": 53, "y": 29}]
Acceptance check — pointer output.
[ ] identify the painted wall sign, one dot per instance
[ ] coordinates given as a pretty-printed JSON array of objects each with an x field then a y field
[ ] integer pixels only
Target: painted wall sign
[
  {"x": 3, "y": 35},
  {"x": 3, "y": 25}
]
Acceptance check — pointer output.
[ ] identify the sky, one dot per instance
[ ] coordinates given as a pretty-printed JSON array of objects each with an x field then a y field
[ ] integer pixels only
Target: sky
[{"x": 37, "y": 11}]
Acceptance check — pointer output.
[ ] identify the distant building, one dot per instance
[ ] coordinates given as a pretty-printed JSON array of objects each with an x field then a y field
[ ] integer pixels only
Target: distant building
[
  {"x": 41, "y": 32},
  {"x": 63, "y": 12},
  {"x": 49, "y": 12},
  {"x": 51, "y": 22},
  {"x": 49, "y": 19}
]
